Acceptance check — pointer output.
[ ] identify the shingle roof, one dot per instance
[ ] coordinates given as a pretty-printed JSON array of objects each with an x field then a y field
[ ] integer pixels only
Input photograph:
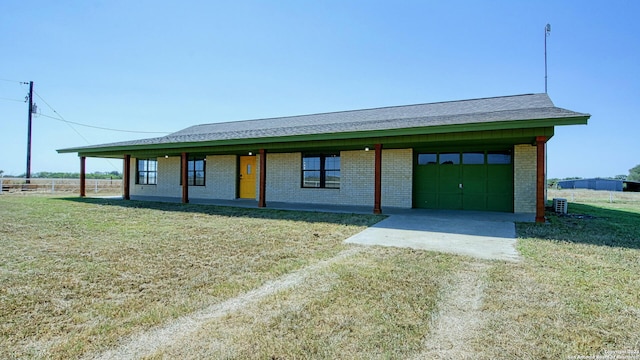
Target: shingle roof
[{"x": 475, "y": 111}]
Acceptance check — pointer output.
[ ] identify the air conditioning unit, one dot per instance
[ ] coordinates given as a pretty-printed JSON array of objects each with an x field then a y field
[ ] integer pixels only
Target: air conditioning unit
[{"x": 560, "y": 206}]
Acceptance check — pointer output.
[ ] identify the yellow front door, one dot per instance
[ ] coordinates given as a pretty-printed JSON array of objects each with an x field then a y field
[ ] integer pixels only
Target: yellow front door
[{"x": 247, "y": 177}]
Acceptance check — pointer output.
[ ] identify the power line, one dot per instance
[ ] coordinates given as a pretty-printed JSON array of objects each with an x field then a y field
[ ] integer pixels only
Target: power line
[
  {"x": 14, "y": 81},
  {"x": 101, "y": 128},
  {"x": 88, "y": 143},
  {"x": 77, "y": 132},
  {"x": 8, "y": 99},
  {"x": 60, "y": 118},
  {"x": 83, "y": 138}
]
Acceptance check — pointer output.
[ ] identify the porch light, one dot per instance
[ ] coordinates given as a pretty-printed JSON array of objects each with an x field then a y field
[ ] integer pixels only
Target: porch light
[
  {"x": 166, "y": 156},
  {"x": 366, "y": 148},
  {"x": 250, "y": 153}
]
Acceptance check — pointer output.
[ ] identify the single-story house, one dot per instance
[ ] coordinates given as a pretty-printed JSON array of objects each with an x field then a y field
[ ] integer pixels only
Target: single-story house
[{"x": 481, "y": 154}]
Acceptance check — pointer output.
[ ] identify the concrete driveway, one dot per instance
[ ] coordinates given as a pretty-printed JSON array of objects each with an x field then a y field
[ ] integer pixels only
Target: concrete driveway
[{"x": 478, "y": 234}]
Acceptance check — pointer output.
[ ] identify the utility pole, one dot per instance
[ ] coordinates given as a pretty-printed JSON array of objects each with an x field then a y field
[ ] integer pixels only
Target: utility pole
[{"x": 28, "y": 174}]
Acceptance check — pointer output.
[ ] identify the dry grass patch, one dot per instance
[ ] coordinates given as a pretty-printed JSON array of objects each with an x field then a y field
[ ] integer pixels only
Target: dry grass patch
[
  {"x": 377, "y": 304},
  {"x": 629, "y": 201},
  {"x": 78, "y": 275},
  {"x": 576, "y": 293},
  {"x": 459, "y": 316}
]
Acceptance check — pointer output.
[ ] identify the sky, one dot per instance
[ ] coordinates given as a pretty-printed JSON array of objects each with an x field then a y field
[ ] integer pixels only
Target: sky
[{"x": 155, "y": 67}]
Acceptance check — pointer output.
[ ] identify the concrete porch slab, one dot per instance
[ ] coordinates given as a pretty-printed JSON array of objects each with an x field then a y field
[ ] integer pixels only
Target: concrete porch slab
[{"x": 462, "y": 235}]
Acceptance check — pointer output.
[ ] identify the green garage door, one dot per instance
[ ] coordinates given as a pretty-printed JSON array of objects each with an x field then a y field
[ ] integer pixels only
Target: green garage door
[{"x": 474, "y": 180}]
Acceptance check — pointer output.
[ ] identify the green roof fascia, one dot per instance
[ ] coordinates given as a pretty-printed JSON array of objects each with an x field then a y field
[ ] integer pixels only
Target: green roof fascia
[
  {"x": 113, "y": 151},
  {"x": 478, "y": 139}
]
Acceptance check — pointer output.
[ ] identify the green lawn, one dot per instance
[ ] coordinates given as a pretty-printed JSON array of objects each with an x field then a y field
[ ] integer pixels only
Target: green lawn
[{"x": 80, "y": 276}]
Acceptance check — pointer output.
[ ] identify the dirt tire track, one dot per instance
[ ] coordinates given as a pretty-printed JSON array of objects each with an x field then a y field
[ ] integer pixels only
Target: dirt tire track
[
  {"x": 146, "y": 343},
  {"x": 459, "y": 316}
]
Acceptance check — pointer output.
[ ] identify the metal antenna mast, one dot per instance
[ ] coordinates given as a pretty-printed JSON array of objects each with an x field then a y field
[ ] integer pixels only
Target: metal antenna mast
[{"x": 547, "y": 32}]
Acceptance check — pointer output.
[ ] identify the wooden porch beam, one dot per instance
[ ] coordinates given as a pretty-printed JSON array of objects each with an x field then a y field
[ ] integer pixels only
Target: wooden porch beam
[
  {"x": 541, "y": 142},
  {"x": 262, "y": 199},
  {"x": 126, "y": 178},
  {"x": 185, "y": 177},
  {"x": 83, "y": 176},
  {"x": 377, "y": 182}
]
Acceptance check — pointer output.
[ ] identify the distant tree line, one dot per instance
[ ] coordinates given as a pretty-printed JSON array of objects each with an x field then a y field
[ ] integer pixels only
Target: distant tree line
[
  {"x": 68, "y": 175},
  {"x": 634, "y": 173}
]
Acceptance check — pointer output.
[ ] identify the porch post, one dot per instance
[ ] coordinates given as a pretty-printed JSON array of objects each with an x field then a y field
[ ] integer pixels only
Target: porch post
[
  {"x": 126, "y": 178},
  {"x": 185, "y": 177},
  {"x": 83, "y": 161},
  {"x": 377, "y": 182},
  {"x": 540, "y": 177},
  {"x": 262, "y": 199}
]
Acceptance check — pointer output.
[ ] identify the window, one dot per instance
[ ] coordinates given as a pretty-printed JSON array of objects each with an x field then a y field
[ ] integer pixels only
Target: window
[
  {"x": 473, "y": 158},
  {"x": 449, "y": 158},
  {"x": 147, "y": 171},
  {"x": 426, "y": 159},
  {"x": 195, "y": 171},
  {"x": 468, "y": 158},
  {"x": 499, "y": 157},
  {"x": 321, "y": 171}
]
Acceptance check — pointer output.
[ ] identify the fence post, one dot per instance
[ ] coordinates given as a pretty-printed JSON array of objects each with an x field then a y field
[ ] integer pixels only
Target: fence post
[
  {"x": 1, "y": 185},
  {"x": 96, "y": 191},
  {"x": 53, "y": 185}
]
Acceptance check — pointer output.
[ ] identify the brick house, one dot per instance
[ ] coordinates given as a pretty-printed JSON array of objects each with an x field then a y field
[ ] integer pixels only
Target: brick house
[{"x": 481, "y": 154}]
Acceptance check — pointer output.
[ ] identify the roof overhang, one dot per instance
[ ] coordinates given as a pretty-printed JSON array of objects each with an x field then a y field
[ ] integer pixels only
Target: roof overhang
[{"x": 513, "y": 131}]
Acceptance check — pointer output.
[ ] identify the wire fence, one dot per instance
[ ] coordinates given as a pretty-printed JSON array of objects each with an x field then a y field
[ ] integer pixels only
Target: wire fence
[
  {"x": 595, "y": 196},
  {"x": 67, "y": 186}
]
